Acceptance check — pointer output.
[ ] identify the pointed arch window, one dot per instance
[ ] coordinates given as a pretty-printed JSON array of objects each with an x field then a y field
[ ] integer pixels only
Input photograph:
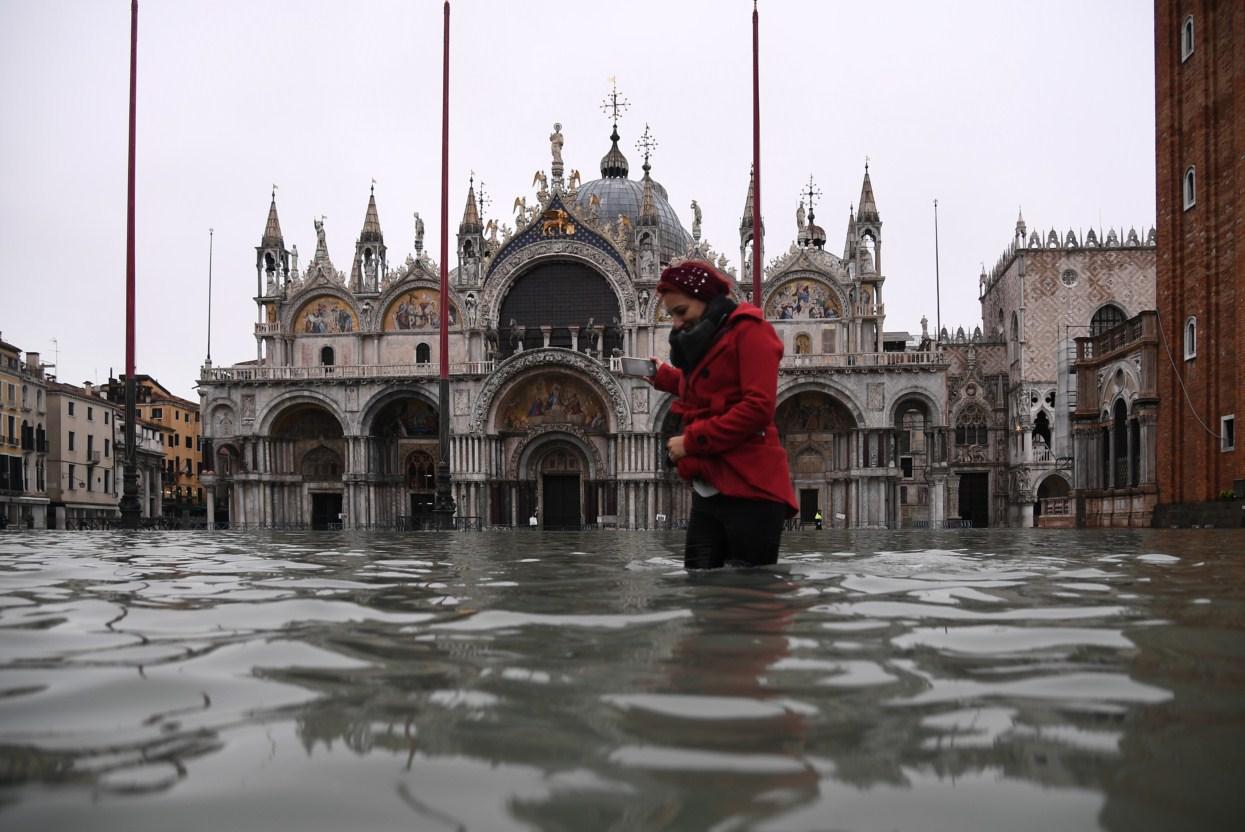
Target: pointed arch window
[
  {"x": 1190, "y": 187},
  {"x": 1186, "y": 39},
  {"x": 1190, "y": 338},
  {"x": 1106, "y": 319}
]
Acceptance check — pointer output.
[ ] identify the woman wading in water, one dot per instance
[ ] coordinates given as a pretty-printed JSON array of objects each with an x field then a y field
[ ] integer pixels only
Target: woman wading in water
[{"x": 725, "y": 373}]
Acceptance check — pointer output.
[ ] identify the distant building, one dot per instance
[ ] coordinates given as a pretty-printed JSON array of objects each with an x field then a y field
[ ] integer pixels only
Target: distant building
[
  {"x": 1045, "y": 291},
  {"x": 181, "y": 435},
  {"x": 1114, "y": 426},
  {"x": 1200, "y": 112},
  {"x": 23, "y": 439},
  {"x": 82, "y": 459}
]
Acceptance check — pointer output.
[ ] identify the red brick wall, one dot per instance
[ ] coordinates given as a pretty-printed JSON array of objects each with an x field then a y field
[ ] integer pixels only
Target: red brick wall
[{"x": 1200, "y": 115}]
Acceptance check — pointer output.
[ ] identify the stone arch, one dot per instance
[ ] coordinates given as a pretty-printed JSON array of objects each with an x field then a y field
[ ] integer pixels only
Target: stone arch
[
  {"x": 531, "y": 447},
  {"x": 514, "y": 265},
  {"x": 921, "y": 395},
  {"x": 222, "y": 417},
  {"x": 285, "y": 401},
  {"x": 552, "y": 358},
  {"x": 1054, "y": 484},
  {"x": 795, "y": 385},
  {"x": 1107, "y": 316},
  {"x": 374, "y": 405},
  {"x": 321, "y": 464}
]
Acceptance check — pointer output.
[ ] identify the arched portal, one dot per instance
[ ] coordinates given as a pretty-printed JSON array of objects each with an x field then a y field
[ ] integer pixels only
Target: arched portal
[
  {"x": 403, "y": 451},
  {"x": 560, "y": 469},
  {"x": 560, "y": 295},
  {"x": 308, "y": 441},
  {"x": 816, "y": 430}
]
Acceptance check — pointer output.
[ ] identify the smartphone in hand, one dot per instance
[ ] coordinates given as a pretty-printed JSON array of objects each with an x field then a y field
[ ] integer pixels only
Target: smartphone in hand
[{"x": 644, "y": 367}]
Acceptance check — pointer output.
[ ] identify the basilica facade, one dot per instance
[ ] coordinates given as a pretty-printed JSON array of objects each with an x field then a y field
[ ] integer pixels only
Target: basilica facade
[{"x": 336, "y": 421}]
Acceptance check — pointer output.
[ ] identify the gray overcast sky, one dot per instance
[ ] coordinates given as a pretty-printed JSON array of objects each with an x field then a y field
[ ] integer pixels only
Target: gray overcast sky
[{"x": 985, "y": 105}]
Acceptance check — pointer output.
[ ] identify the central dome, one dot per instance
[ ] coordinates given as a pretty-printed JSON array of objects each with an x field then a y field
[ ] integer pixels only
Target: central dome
[
  {"x": 624, "y": 197},
  {"x": 620, "y": 196}
]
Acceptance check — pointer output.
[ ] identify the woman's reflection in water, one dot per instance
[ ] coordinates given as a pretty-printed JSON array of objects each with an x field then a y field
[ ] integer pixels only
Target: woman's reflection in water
[{"x": 755, "y": 765}]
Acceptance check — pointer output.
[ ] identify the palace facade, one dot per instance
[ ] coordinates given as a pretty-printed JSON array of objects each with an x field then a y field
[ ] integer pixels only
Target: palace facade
[{"x": 336, "y": 420}]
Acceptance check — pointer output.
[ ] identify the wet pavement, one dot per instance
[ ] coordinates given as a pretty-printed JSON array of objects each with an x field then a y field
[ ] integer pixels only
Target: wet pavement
[{"x": 916, "y": 680}]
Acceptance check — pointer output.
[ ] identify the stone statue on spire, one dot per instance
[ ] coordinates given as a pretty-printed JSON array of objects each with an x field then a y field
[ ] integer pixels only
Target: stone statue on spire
[
  {"x": 555, "y": 144},
  {"x": 419, "y": 233},
  {"x": 695, "y": 221}
]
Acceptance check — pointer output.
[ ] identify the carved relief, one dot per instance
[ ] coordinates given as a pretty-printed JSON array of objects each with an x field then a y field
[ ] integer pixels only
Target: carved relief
[
  {"x": 875, "y": 395},
  {"x": 639, "y": 399}
]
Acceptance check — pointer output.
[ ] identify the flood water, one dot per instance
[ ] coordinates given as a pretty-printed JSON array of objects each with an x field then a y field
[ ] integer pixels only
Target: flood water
[{"x": 992, "y": 680}]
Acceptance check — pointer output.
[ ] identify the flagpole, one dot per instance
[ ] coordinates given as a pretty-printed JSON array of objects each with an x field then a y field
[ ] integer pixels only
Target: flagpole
[
  {"x": 130, "y": 509},
  {"x": 937, "y": 281},
  {"x": 211, "y": 241},
  {"x": 757, "y": 231},
  {"x": 443, "y": 506}
]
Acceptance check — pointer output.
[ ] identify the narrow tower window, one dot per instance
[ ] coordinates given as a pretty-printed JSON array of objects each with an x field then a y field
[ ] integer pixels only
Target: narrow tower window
[
  {"x": 1190, "y": 338},
  {"x": 1190, "y": 188},
  {"x": 1186, "y": 39}
]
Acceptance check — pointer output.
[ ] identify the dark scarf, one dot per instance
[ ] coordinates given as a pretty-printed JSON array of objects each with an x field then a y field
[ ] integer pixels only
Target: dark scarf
[{"x": 690, "y": 344}]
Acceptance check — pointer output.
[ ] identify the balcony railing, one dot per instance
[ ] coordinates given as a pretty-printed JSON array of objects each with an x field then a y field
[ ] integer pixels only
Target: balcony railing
[
  {"x": 1056, "y": 506},
  {"x": 337, "y": 372},
  {"x": 863, "y": 360},
  {"x": 92, "y": 457},
  {"x": 268, "y": 328},
  {"x": 869, "y": 310},
  {"x": 1132, "y": 330}
]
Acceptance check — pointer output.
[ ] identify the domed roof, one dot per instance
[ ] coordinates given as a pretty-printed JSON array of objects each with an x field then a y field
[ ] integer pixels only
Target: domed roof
[{"x": 621, "y": 196}]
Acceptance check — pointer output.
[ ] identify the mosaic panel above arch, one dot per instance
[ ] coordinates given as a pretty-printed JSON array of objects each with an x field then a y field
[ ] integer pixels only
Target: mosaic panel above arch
[
  {"x": 417, "y": 310},
  {"x": 803, "y": 299},
  {"x": 325, "y": 315},
  {"x": 552, "y": 398}
]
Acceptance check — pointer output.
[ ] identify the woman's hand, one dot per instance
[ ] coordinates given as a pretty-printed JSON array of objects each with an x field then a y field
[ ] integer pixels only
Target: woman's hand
[{"x": 675, "y": 449}]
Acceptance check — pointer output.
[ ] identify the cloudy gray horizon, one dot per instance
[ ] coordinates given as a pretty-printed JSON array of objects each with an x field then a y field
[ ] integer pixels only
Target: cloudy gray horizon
[{"x": 986, "y": 106}]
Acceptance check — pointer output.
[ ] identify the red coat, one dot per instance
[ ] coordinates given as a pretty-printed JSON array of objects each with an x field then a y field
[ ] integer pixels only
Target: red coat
[{"x": 727, "y": 403}]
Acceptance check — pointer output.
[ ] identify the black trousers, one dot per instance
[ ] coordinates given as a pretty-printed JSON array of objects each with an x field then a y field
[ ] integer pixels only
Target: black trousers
[{"x": 732, "y": 531}]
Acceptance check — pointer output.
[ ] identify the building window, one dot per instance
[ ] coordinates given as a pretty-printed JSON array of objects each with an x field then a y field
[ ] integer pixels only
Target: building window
[
  {"x": 105, "y": 417},
  {"x": 1106, "y": 319},
  {"x": 107, "y": 481},
  {"x": 72, "y": 483},
  {"x": 1190, "y": 338},
  {"x": 90, "y": 413},
  {"x": 177, "y": 415},
  {"x": 1186, "y": 39},
  {"x": 1069, "y": 277},
  {"x": 423, "y": 354},
  {"x": 905, "y": 464},
  {"x": 1227, "y": 433},
  {"x": 71, "y": 440},
  {"x": 70, "y": 405},
  {"x": 157, "y": 413},
  {"x": 1190, "y": 188},
  {"x": 107, "y": 446},
  {"x": 326, "y": 356}
]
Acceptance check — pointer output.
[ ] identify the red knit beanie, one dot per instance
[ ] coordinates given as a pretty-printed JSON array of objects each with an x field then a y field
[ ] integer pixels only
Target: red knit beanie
[{"x": 696, "y": 278}]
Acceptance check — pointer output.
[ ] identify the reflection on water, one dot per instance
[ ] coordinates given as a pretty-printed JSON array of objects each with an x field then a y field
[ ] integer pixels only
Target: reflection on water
[{"x": 882, "y": 680}]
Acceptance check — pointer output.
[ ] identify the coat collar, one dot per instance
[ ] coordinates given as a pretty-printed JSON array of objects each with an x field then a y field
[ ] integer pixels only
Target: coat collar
[{"x": 742, "y": 311}]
